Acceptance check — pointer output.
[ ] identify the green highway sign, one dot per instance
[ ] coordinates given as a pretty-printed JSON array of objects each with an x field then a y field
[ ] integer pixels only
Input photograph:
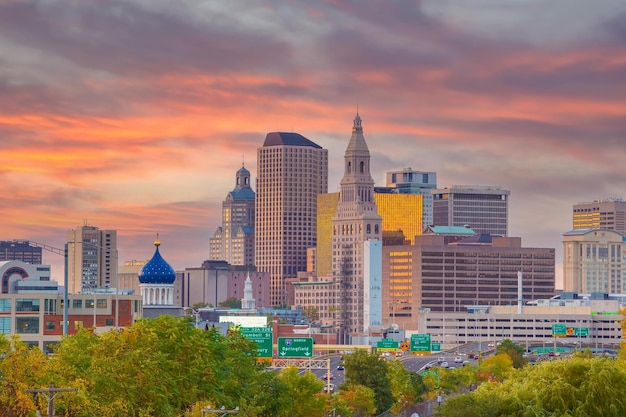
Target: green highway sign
[
  {"x": 263, "y": 337},
  {"x": 436, "y": 346},
  {"x": 295, "y": 347},
  {"x": 420, "y": 342},
  {"x": 563, "y": 330},
  {"x": 581, "y": 331},
  {"x": 387, "y": 345},
  {"x": 559, "y": 329}
]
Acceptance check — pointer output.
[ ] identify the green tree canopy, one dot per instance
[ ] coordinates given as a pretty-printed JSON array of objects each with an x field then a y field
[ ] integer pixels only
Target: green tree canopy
[
  {"x": 364, "y": 368},
  {"x": 575, "y": 387}
]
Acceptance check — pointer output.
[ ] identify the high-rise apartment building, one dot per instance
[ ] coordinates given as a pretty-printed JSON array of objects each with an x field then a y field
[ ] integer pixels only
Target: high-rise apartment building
[
  {"x": 484, "y": 209},
  {"x": 233, "y": 242},
  {"x": 608, "y": 213},
  {"x": 593, "y": 261},
  {"x": 356, "y": 222},
  {"x": 408, "y": 181},
  {"x": 20, "y": 251},
  {"x": 92, "y": 259},
  {"x": 292, "y": 172}
]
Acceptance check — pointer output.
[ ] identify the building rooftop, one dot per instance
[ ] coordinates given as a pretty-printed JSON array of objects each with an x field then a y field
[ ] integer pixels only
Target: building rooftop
[{"x": 288, "y": 139}]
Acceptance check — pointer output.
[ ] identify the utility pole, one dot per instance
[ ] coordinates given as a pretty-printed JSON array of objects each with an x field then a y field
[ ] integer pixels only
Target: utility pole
[{"x": 51, "y": 392}]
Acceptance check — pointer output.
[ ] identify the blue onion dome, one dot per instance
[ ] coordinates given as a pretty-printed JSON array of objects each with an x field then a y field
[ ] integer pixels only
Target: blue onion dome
[{"x": 157, "y": 270}]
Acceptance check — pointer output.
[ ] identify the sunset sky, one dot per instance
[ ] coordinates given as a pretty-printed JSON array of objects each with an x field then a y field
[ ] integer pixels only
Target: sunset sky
[{"x": 135, "y": 115}]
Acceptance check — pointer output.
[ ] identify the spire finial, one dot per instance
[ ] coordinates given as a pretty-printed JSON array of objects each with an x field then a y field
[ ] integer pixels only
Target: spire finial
[
  {"x": 357, "y": 122},
  {"x": 157, "y": 243}
]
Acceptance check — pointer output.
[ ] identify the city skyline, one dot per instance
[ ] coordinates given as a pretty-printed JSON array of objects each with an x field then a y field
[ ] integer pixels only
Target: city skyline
[{"x": 133, "y": 116}]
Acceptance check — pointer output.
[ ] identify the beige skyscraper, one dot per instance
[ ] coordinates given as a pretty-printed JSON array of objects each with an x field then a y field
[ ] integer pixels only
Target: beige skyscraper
[
  {"x": 292, "y": 171},
  {"x": 92, "y": 258},
  {"x": 608, "y": 213},
  {"x": 356, "y": 222}
]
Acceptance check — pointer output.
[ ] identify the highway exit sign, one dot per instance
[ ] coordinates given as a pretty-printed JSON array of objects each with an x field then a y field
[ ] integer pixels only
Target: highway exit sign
[
  {"x": 263, "y": 337},
  {"x": 295, "y": 347},
  {"x": 420, "y": 342}
]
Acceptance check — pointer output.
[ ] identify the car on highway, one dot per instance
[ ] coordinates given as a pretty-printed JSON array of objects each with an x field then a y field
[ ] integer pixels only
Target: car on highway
[
  {"x": 328, "y": 376},
  {"x": 458, "y": 359},
  {"x": 441, "y": 359},
  {"x": 340, "y": 367},
  {"x": 329, "y": 388},
  {"x": 444, "y": 364}
]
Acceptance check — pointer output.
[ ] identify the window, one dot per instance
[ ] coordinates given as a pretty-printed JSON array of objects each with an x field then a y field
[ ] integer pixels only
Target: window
[
  {"x": 5, "y": 306},
  {"x": 50, "y": 326},
  {"x": 27, "y": 325},
  {"x": 108, "y": 322},
  {"x": 77, "y": 304},
  {"x": 27, "y": 304},
  {"x": 5, "y": 325},
  {"x": 101, "y": 303}
]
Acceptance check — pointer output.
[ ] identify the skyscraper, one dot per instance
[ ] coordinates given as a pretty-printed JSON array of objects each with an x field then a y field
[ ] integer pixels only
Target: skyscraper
[
  {"x": 292, "y": 171},
  {"x": 608, "y": 213},
  {"x": 92, "y": 258},
  {"x": 233, "y": 242},
  {"x": 408, "y": 181},
  {"x": 484, "y": 209},
  {"x": 356, "y": 222}
]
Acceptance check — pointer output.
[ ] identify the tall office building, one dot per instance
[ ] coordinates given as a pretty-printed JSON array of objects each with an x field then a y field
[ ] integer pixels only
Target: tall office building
[
  {"x": 484, "y": 209},
  {"x": 292, "y": 172},
  {"x": 593, "y": 261},
  {"x": 92, "y": 259},
  {"x": 608, "y": 213},
  {"x": 433, "y": 275},
  {"x": 401, "y": 215},
  {"x": 408, "y": 181},
  {"x": 11, "y": 250},
  {"x": 356, "y": 222},
  {"x": 233, "y": 242}
]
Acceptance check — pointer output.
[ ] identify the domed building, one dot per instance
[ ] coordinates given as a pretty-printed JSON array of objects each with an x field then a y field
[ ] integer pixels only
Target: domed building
[
  {"x": 156, "y": 284},
  {"x": 233, "y": 241}
]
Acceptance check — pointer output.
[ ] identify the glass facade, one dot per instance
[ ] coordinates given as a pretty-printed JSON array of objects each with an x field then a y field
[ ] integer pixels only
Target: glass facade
[{"x": 401, "y": 212}]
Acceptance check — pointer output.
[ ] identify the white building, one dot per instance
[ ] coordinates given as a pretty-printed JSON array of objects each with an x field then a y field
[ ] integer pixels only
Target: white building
[
  {"x": 593, "y": 323},
  {"x": 594, "y": 260}
]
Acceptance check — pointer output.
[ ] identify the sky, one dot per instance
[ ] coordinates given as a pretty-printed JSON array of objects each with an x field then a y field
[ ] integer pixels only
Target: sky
[{"x": 135, "y": 115}]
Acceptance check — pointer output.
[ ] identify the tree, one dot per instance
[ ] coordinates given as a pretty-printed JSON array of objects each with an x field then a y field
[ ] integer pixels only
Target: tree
[
  {"x": 359, "y": 399},
  {"x": 574, "y": 387},
  {"x": 303, "y": 392},
  {"x": 20, "y": 369},
  {"x": 312, "y": 313},
  {"x": 364, "y": 368},
  {"x": 159, "y": 367},
  {"x": 495, "y": 368},
  {"x": 515, "y": 352},
  {"x": 407, "y": 386}
]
